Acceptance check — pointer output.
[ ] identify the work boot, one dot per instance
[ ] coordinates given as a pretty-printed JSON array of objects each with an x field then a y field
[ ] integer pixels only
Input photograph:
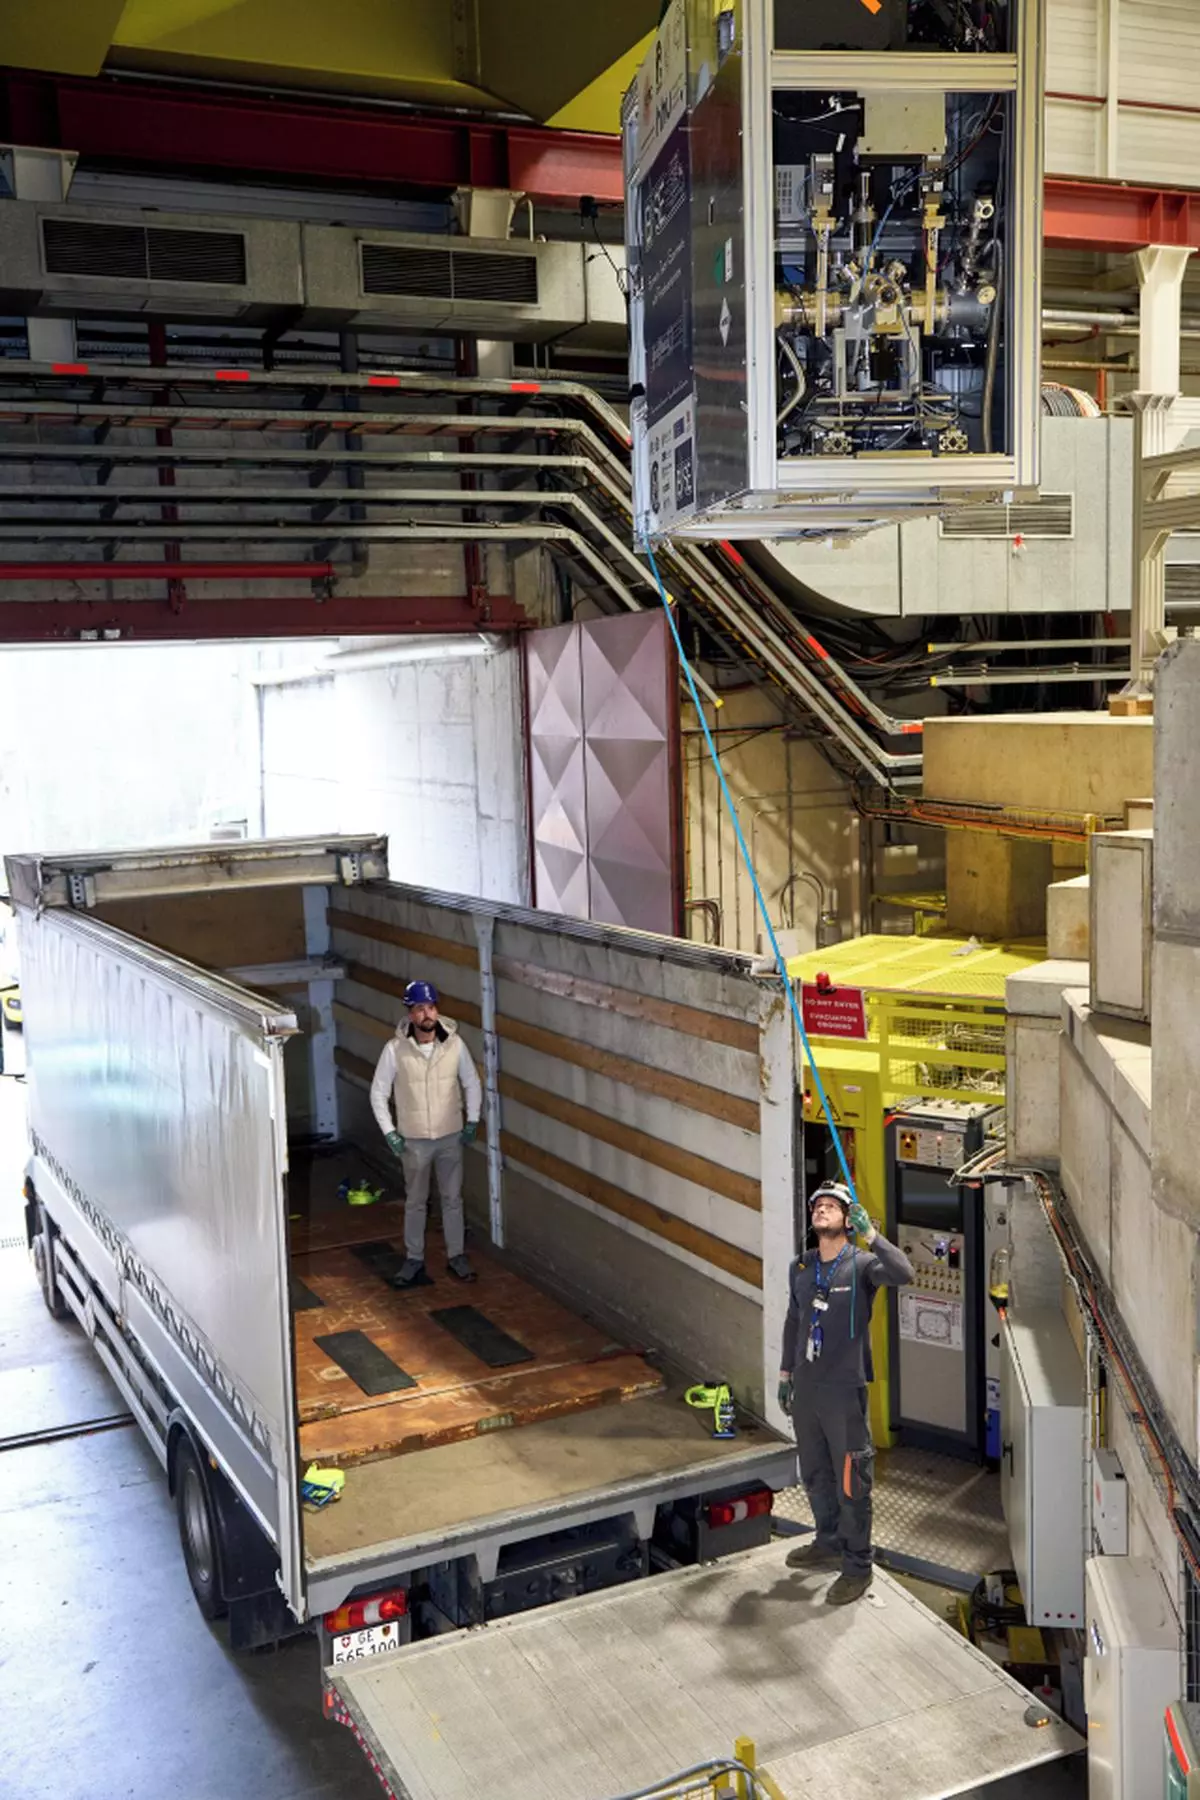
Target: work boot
[
  {"x": 460, "y": 1267},
  {"x": 410, "y": 1274},
  {"x": 811, "y": 1556},
  {"x": 847, "y": 1588}
]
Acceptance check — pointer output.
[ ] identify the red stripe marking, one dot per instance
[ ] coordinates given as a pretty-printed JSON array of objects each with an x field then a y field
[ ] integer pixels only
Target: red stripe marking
[
  {"x": 1181, "y": 1755},
  {"x": 525, "y": 387},
  {"x": 819, "y": 648},
  {"x": 733, "y": 555},
  {"x": 383, "y": 381},
  {"x": 907, "y": 730},
  {"x": 231, "y": 374},
  {"x": 68, "y": 368}
]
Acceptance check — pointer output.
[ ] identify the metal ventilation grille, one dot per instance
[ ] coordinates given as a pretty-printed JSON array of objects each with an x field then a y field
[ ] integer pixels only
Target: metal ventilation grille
[
  {"x": 141, "y": 253},
  {"x": 424, "y": 274},
  {"x": 115, "y": 251},
  {"x": 218, "y": 257},
  {"x": 1047, "y": 516}
]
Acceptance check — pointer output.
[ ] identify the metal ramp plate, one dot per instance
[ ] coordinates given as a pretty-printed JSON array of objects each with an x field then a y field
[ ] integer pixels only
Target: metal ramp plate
[{"x": 597, "y": 1696}]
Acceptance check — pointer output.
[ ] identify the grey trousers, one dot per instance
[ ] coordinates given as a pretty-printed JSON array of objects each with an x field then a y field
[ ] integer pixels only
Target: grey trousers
[
  {"x": 837, "y": 1463},
  {"x": 421, "y": 1157}
]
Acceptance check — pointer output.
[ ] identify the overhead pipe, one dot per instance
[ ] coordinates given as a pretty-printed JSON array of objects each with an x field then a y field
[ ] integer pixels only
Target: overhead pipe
[{"x": 169, "y": 571}]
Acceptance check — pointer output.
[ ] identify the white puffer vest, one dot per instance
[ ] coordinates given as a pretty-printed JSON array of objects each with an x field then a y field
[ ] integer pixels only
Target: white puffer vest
[{"x": 427, "y": 1092}]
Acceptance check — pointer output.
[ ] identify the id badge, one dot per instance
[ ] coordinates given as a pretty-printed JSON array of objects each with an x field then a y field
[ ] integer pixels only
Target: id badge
[{"x": 820, "y": 1305}]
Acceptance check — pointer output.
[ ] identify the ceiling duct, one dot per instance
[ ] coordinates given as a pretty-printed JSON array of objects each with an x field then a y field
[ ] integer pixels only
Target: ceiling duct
[
  {"x": 72, "y": 259},
  {"x": 58, "y": 259},
  {"x": 518, "y": 288}
]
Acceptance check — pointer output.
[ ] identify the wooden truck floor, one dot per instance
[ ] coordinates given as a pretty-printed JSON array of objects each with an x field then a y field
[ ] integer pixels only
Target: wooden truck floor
[
  {"x": 601, "y": 1695},
  {"x": 580, "y": 1414}
]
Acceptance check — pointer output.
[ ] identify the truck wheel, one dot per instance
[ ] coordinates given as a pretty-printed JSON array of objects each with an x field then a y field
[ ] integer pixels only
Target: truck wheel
[
  {"x": 198, "y": 1530},
  {"x": 43, "y": 1262}
]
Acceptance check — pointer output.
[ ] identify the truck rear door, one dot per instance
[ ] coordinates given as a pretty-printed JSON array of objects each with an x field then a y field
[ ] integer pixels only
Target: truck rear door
[{"x": 613, "y": 1692}]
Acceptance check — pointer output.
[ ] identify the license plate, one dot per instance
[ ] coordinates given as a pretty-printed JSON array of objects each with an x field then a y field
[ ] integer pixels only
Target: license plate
[{"x": 373, "y": 1640}]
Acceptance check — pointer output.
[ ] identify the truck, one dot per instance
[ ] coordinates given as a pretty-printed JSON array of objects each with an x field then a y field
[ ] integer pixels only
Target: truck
[{"x": 209, "y": 1196}]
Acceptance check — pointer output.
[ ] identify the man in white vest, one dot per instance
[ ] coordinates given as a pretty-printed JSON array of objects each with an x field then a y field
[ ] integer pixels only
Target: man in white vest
[{"x": 426, "y": 1074}]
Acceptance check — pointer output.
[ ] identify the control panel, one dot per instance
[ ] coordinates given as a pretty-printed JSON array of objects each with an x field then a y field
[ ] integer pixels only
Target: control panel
[
  {"x": 937, "y": 1262},
  {"x": 930, "y": 1147}
]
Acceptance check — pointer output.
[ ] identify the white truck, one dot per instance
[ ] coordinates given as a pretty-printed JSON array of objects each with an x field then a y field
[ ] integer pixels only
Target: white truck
[{"x": 202, "y": 1024}]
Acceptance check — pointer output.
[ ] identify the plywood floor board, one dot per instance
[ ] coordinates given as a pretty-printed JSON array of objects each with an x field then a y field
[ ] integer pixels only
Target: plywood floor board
[{"x": 451, "y": 1486}]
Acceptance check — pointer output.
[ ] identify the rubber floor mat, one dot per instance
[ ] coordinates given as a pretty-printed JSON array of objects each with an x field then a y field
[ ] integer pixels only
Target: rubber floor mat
[
  {"x": 476, "y": 1333},
  {"x": 303, "y": 1298},
  {"x": 368, "y": 1367},
  {"x": 382, "y": 1258}
]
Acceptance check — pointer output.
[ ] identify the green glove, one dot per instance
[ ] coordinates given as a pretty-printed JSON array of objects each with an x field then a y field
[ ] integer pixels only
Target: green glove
[
  {"x": 860, "y": 1222},
  {"x": 784, "y": 1392},
  {"x": 467, "y": 1134},
  {"x": 395, "y": 1144}
]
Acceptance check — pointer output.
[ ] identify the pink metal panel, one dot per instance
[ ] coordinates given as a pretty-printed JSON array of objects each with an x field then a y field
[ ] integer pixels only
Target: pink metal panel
[
  {"x": 558, "y": 803},
  {"x": 629, "y": 735}
]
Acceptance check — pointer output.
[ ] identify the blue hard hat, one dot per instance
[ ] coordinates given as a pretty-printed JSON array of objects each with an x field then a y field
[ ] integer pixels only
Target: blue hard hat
[{"x": 419, "y": 993}]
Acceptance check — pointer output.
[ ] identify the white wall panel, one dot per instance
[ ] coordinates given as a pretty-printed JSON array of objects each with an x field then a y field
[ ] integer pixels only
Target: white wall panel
[
  {"x": 1074, "y": 136},
  {"x": 431, "y": 753},
  {"x": 1074, "y": 54}
]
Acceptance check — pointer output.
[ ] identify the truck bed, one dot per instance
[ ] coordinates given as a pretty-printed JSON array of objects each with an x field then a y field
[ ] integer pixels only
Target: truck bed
[
  {"x": 597, "y": 1696},
  {"x": 382, "y": 1373},
  {"x": 581, "y": 1419}
]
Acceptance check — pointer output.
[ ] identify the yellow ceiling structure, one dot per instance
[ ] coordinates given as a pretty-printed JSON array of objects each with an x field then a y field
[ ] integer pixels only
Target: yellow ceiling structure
[{"x": 566, "y": 65}]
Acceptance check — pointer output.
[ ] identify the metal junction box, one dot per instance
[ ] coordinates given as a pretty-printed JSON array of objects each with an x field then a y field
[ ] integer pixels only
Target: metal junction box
[
  {"x": 1041, "y": 1468},
  {"x": 833, "y": 220}
]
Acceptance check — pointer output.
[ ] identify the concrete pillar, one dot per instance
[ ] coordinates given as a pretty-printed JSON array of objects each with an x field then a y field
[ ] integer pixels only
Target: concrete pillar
[
  {"x": 488, "y": 213},
  {"x": 1160, "y": 270},
  {"x": 1175, "y": 974},
  {"x": 44, "y": 175}
]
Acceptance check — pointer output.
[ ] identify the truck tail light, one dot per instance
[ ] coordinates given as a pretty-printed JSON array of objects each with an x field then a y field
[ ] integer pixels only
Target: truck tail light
[
  {"x": 747, "y": 1506},
  {"x": 378, "y": 1610}
]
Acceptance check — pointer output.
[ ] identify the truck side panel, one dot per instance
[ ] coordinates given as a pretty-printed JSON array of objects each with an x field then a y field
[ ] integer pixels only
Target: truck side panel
[
  {"x": 154, "y": 1099},
  {"x": 631, "y": 1103}
]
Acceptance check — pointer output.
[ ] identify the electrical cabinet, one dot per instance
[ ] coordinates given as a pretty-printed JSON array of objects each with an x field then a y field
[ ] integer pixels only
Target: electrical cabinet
[
  {"x": 1131, "y": 1675},
  {"x": 833, "y": 219},
  {"x": 1042, "y": 1465}
]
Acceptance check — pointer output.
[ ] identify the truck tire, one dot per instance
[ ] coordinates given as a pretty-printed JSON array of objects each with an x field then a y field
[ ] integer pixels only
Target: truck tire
[
  {"x": 198, "y": 1532},
  {"x": 43, "y": 1262}
]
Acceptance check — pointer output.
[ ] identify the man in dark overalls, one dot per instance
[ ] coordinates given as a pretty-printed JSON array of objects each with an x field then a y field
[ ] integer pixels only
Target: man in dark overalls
[{"x": 823, "y": 1375}]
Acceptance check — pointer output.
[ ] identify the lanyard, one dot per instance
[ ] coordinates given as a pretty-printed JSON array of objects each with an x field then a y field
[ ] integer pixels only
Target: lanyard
[{"x": 823, "y": 1281}]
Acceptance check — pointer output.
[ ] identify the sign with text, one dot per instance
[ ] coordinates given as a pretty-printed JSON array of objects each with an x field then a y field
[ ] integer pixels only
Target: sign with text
[{"x": 833, "y": 1011}]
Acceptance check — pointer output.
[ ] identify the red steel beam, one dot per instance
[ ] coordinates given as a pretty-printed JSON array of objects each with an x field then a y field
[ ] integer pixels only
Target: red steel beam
[
  {"x": 146, "y": 621},
  {"x": 163, "y": 126},
  {"x": 168, "y": 571},
  {"x": 1117, "y": 216}
]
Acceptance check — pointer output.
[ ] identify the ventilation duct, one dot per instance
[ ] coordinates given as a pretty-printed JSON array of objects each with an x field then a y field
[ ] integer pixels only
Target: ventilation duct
[
  {"x": 63, "y": 259},
  {"x": 69, "y": 259},
  {"x": 502, "y": 287},
  {"x": 1042, "y": 516}
]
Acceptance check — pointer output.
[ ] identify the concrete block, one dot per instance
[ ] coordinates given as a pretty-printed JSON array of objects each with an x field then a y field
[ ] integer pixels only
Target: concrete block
[
  {"x": 1139, "y": 814},
  {"x": 1117, "y": 1054},
  {"x": 1177, "y": 817},
  {"x": 1175, "y": 1061},
  {"x": 996, "y": 886},
  {"x": 1120, "y": 924},
  {"x": 1052, "y": 762},
  {"x": 1084, "y": 1132},
  {"x": 1152, "y": 1279},
  {"x": 1031, "y": 1091},
  {"x": 1067, "y": 918},
  {"x": 1037, "y": 991}
]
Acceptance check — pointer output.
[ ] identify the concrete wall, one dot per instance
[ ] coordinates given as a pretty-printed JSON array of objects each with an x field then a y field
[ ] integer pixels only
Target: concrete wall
[
  {"x": 429, "y": 752},
  {"x": 109, "y": 745},
  {"x": 1050, "y": 762}
]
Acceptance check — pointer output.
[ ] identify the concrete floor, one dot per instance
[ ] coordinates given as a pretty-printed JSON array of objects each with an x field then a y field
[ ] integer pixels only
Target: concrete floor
[{"x": 112, "y": 1686}]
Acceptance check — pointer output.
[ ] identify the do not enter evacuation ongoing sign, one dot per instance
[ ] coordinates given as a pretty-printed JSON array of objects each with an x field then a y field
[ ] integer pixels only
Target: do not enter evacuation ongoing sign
[{"x": 830, "y": 1011}]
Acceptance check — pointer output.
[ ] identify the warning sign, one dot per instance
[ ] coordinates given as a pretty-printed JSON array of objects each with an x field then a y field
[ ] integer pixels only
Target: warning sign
[{"x": 833, "y": 1011}]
